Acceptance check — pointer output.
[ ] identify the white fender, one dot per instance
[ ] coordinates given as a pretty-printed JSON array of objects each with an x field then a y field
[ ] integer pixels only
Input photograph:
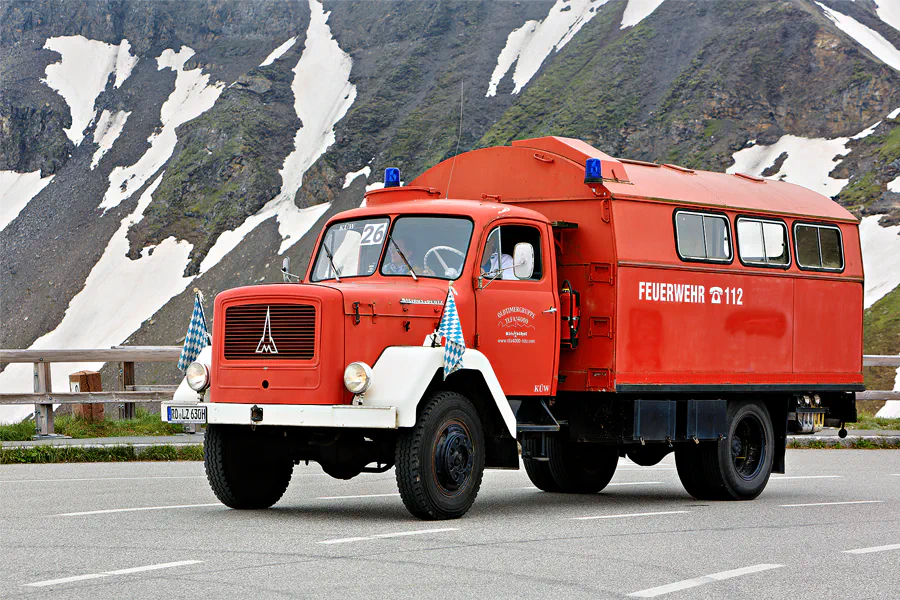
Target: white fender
[
  {"x": 184, "y": 393},
  {"x": 402, "y": 374}
]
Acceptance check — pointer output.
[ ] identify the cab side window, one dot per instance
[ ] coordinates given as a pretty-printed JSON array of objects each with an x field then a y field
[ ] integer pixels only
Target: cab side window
[
  {"x": 819, "y": 247},
  {"x": 497, "y": 260},
  {"x": 763, "y": 243},
  {"x": 702, "y": 236}
]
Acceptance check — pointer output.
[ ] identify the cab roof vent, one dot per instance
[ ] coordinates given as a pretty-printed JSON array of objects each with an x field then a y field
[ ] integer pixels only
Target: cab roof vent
[
  {"x": 684, "y": 170},
  {"x": 753, "y": 178}
]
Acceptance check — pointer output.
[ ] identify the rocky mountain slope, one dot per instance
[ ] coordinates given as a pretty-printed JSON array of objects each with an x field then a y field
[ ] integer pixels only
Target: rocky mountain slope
[{"x": 148, "y": 148}]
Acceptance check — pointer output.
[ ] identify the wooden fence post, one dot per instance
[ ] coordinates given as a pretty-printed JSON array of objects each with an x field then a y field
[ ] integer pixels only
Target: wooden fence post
[
  {"x": 124, "y": 381},
  {"x": 87, "y": 381},
  {"x": 43, "y": 413}
]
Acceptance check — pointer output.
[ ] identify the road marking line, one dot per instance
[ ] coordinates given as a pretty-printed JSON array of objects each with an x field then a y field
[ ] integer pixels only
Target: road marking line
[
  {"x": 634, "y": 483},
  {"x": 832, "y": 503},
  {"x": 119, "y": 510},
  {"x": 112, "y": 573},
  {"x": 101, "y": 479},
  {"x": 359, "y": 496},
  {"x": 531, "y": 487},
  {"x": 697, "y": 581},
  {"x": 649, "y": 514},
  {"x": 873, "y": 549},
  {"x": 805, "y": 477},
  {"x": 388, "y": 535},
  {"x": 645, "y": 469}
]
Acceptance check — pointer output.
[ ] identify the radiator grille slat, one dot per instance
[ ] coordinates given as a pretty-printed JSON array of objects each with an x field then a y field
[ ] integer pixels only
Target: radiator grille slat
[{"x": 292, "y": 328}]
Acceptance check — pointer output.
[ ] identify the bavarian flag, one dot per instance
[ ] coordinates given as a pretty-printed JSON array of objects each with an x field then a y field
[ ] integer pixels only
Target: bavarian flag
[
  {"x": 197, "y": 337},
  {"x": 451, "y": 330}
]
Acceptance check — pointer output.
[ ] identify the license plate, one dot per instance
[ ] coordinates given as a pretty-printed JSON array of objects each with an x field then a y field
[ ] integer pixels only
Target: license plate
[{"x": 186, "y": 414}]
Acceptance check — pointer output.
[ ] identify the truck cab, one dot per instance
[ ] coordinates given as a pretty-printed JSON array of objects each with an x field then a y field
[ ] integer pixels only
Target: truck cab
[{"x": 602, "y": 311}]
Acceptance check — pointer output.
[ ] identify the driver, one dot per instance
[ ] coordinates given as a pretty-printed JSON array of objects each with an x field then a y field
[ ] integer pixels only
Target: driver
[
  {"x": 397, "y": 266},
  {"x": 496, "y": 264}
]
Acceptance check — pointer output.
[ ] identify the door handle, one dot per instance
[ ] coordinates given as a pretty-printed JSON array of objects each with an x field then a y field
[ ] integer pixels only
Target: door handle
[{"x": 550, "y": 310}]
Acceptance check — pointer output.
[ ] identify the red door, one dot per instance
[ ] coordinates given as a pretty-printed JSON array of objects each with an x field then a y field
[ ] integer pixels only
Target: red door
[{"x": 517, "y": 320}]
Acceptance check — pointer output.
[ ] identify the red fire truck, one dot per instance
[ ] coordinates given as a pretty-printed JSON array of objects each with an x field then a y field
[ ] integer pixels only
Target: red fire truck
[{"x": 609, "y": 308}]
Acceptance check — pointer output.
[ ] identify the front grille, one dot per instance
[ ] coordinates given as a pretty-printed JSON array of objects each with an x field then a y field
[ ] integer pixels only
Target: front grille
[{"x": 291, "y": 333}]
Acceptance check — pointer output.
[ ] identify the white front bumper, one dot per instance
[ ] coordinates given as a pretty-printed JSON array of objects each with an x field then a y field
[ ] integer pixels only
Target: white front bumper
[{"x": 305, "y": 415}]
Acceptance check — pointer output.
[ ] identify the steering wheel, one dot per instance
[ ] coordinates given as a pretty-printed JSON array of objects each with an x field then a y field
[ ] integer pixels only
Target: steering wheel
[{"x": 448, "y": 271}]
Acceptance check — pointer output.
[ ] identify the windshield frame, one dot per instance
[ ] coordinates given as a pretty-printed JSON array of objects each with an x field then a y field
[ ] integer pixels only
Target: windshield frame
[
  {"x": 390, "y": 236},
  {"x": 320, "y": 249}
]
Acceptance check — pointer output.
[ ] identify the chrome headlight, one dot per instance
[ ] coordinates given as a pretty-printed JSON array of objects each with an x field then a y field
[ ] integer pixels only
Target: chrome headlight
[
  {"x": 197, "y": 376},
  {"x": 357, "y": 377}
]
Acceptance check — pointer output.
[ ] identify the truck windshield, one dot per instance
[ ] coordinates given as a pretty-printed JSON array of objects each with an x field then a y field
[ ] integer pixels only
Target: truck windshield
[
  {"x": 352, "y": 248},
  {"x": 433, "y": 246}
]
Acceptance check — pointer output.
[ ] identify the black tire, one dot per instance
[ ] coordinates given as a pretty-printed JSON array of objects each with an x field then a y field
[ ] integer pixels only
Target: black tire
[
  {"x": 538, "y": 470},
  {"x": 647, "y": 456},
  {"x": 738, "y": 467},
  {"x": 689, "y": 464},
  {"x": 241, "y": 474},
  {"x": 581, "y": 468},
  {"x": 440, "y": 460}
]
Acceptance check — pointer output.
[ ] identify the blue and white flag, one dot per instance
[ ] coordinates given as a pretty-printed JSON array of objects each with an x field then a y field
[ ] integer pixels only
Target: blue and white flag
[
  {"x": 197, "y": 337},
  {"x": 451, "y": 329}
]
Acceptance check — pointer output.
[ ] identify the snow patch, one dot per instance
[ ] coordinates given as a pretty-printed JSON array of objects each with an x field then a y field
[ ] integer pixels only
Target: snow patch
[
  {"x": 193, "y": 95},
  {"x": 529, "y": 45},
  {"x": 894, "y": 186},
  {"x": 107, "y": 131},
  {"x": 515, "y": 42},
  {"x": 348, "y": 179},
  {"x": 16, "y": 191},
  {"x": 637, "y": 11},
  {"x": 293, "y": 223},
  {"x": 868, "y": 38},
  {"x": 881, "y": 258},
  {"x": 889, "y": 12},
  {"x": 894, "y": 114},
  {"x": 866, "y": 132},
  {"x": 83, "y": 73},
  {"x": 118, "y": 295},
  {"x": 279, "y": 52},
  {"x": 808, "y": 163},
  {"x": 319, "y": 107}
]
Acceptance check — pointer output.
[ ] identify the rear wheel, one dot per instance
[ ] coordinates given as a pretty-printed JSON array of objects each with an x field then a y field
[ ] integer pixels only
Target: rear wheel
[
  {"x": 538, "y": 470},
  {"x": 241, "y": 473},
  {"x": 736, "y": 468},
  {"x": 440, "y": 460},
  {"x": 580, "y": 468}
]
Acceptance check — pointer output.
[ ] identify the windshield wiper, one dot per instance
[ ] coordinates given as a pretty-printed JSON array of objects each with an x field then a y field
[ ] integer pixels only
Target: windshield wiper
[
  {"x": 403, "y": 256},
  {"x": 331, "y": 260}
]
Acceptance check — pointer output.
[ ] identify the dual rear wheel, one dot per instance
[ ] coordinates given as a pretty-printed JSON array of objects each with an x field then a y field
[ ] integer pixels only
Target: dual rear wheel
[
  {"x": 571, "y": 467},
  {"x": 737, "y": 467}
]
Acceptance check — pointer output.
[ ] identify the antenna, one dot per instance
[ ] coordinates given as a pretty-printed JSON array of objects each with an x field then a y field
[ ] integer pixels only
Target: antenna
[{"x": 458, "y": 137}]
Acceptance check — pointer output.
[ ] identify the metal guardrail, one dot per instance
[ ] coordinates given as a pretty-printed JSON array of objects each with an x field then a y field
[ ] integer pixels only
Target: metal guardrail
[{"x": 126, "y": 392}]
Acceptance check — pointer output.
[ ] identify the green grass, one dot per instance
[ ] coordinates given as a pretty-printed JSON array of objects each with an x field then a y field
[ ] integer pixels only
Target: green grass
[
  {"x": 71, "y": 454},
  {"x": 143, "y": 424},
  {"x": 835, "y": 444}
]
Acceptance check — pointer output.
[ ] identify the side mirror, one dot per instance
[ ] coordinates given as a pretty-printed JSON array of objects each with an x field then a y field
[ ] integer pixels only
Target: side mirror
[
  {"x": 286, "y": 264},
  {"x": 523, "y": 261}
]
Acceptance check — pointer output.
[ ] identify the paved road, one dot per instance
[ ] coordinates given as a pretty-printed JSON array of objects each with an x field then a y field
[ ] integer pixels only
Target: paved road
[{"x": 103, "y": 531}]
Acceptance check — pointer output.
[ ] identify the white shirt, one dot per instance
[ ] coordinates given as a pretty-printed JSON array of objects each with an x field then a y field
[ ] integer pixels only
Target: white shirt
[{"x": 506, "y": 264}]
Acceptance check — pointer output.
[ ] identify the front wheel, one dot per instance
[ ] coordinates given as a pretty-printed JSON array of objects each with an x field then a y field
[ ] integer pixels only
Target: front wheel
[
  {"x": 440, "y": 460},
  {"x": 240, "y": 472}
]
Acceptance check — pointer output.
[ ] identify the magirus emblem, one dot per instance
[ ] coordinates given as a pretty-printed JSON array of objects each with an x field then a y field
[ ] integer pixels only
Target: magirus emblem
[{"x": 266, "y": 343}]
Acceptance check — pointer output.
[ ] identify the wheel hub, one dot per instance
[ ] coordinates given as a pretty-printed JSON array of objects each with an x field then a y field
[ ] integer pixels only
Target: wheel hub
[
  {"x": 454, "y": 457},
  {"x": 748, "y": 444}
]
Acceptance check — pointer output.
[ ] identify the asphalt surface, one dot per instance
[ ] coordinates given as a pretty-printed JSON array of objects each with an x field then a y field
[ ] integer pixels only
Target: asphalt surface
[{"x": 155, "y": 530}]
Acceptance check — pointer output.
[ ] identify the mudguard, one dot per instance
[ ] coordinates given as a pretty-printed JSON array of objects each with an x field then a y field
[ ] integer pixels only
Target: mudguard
[{"x": 402, "y": 374}]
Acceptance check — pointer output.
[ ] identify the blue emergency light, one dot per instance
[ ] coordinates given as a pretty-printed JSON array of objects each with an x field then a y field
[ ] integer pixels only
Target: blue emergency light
[
  {"x": 392, "y": 177},
  {"x": 593, "y": 171}
]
